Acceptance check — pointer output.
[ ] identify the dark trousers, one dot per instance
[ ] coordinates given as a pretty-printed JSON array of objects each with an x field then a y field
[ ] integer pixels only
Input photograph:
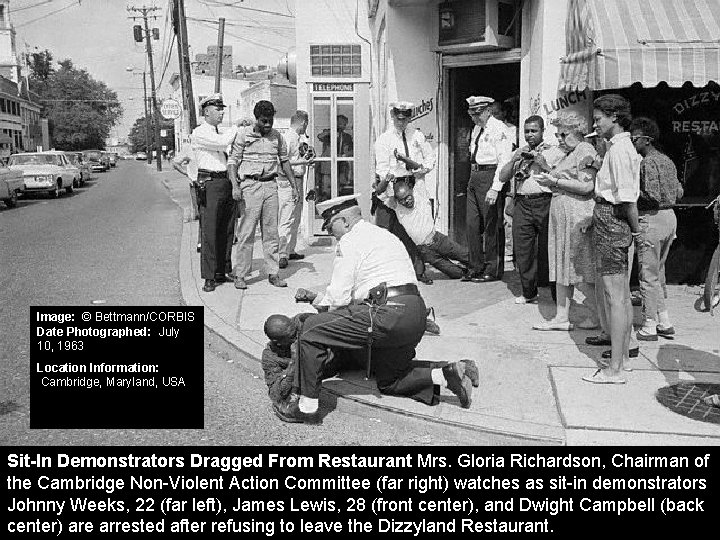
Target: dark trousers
[
  {"x": 386, "y": 218},
  {"x": 485, "y": 226},
  {"x": 530, "y": 241},
  {"x": 441, "y": 253},
  {"x": 217, "y": 228},
  {"x": 397, "y": 329}
]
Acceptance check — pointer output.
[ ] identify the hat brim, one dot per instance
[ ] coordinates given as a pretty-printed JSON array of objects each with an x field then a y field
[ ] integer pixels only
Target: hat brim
[{"x": 215, "y": 104}]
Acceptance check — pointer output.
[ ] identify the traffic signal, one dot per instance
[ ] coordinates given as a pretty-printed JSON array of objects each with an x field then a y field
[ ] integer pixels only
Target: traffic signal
[
  {"x": 156, "y": 33},
  {"x": 137, "y": 33}
]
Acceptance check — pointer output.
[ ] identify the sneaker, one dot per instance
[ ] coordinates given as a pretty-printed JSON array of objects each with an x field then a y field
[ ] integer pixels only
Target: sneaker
[
  {"x": 523, "y": 300},
  {"x": 283, "y": 262},
  {"x": 667, "y": 332},
  {"x": 600, "y": 378},
  {"x": 276, "y": 281},
  {"x": 289, "y": 411},
  {"x": 240, "y": 283},
  {"x": 642, "y": 335},
  {"x": 554, "y": 325}
]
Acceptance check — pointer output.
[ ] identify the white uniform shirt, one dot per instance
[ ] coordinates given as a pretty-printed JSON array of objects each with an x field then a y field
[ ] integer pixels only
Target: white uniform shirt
[
  {"x": 618, "y": 180},
  {"x": 366, "y": 256},
  {"x": 419, "y": 149},
  {"x": 294, "y": 141},
  {"x": 417, "y": 221},
  {"x": 211, "y": 148},
  {"x": 494, "y": 147},
  {"x": 191, "y": 165}
]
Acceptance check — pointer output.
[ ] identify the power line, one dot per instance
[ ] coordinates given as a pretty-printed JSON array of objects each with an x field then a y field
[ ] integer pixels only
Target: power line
[
  {"x": 241, "y": 38},
  {"x": 167, "y": 61},
  {"x": 253, "y": 26},
  {"x": 49, "y": 14},
  {"x": 23, "y": 8},
  {"x": 235, "y": 6}
]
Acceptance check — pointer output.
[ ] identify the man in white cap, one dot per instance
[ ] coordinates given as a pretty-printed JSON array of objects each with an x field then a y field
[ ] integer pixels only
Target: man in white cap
[
  {"x": 214, "y": 192},
  {"x": 372, "y": 301},
  {"x": 402, "y": 155},
  {"x": 490, "y": 148}
]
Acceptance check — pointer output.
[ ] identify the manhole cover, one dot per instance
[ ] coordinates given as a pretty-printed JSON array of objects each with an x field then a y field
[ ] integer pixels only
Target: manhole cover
[{"x": 687, "y": 399}]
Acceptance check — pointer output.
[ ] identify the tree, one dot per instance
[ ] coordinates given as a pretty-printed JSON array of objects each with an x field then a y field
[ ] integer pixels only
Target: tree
[
  {"x": 81, "y": 111},
  {"x": 137, "y": 135}
]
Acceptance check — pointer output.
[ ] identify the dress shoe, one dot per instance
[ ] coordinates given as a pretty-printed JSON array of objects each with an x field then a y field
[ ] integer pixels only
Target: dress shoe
[
  {"x": 485, "y": 278},
  {"x": 432, "y": 328},
  {"x": 471, "y": 371},
  {"x": 283, "y": 262},
  {"x": 209, "y": 285},
  {"x": 597, "y": 340},
  {"x": 633, "y": 353},
  {"x": 276, "y": 281},
  {"x": 667, "y": 332},
  {"x": 240, "y": 283},
  {"x": 296, "y": 256},
  {"x": 468, "y": 276},
  {"x": 289, "y": 411},
  {"x": 222, "y": 278},
  {"x": 424, "y": 279},
  {"x": 642, "y": 336},
  {"x": 458, "y": 383},
  {"x": 523, "y": 300}
]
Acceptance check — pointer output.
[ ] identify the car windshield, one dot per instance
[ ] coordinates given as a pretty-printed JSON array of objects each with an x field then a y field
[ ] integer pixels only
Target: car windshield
[
  {"x": 34, "y": 159},
  {"x": 74, "y": 158},
  {"x": 93, "y": 155}
]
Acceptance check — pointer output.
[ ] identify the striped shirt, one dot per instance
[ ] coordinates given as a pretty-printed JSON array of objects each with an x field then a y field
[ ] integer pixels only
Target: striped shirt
[{"x": 256, "y": 154}]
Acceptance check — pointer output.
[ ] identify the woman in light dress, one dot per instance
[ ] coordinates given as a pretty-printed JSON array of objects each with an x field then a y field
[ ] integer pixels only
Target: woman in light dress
[{"x": 570, "y": 243}]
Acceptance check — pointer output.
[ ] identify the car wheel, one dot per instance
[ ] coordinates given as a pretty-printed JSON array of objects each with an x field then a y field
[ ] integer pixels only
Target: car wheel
[
  {"x": 55, "y": 193},
  {"x": 13, "y": 200},
  {"x": 71, "y": 187}
]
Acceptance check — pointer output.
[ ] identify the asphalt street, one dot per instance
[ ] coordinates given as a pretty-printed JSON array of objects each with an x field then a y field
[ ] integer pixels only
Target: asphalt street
[{"x": 116, "y": 241}]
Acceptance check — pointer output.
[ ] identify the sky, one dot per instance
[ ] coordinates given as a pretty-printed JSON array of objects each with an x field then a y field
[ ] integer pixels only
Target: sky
[{"x": 97, "y": 35}]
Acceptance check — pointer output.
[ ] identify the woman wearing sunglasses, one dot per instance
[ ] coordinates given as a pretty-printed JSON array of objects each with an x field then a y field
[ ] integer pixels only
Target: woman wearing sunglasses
[
  {"x": 570, "y": 249},
  {"x": 659, "y": 191}
]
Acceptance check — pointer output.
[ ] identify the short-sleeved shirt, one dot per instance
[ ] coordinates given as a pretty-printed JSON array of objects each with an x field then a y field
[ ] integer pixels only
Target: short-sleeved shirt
[
  {"x": 618, "y": 180},
  {"x": 417, "y": 221},
  {"x": 494, "y": 147},
  {"x": 210, "y": 146},
  {"x": 187, "y": 155},
  {"x": 660, "y": 188},
  {"x": 419, "y": 149},
  {"x": 552, "y": 155},
  {"x": 294, "y": 141},
  {"x": 256, "y": 154},
  {"x": 365, "y": 257}
]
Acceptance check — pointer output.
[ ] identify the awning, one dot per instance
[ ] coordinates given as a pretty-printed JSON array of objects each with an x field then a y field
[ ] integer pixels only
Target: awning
[{"x": 615, "y": 43}]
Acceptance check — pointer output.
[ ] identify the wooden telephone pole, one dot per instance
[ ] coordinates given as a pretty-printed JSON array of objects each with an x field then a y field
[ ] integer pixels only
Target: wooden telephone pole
[
  {"x": 180, "y": 27},
  {"x": 155, "y": 112}
]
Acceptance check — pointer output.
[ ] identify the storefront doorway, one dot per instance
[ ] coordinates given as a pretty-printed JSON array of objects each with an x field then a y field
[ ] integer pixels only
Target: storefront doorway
[{"x": 499, "y": 81}]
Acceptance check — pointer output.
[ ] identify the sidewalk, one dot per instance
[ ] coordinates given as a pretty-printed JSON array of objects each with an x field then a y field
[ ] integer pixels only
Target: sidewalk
[{"x": 531, "y": 383}]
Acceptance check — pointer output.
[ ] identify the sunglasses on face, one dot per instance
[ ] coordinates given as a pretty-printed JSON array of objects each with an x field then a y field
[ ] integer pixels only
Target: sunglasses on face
[
  {"x": 635, "y": 138},
  {"x": 562, "y": 135}
]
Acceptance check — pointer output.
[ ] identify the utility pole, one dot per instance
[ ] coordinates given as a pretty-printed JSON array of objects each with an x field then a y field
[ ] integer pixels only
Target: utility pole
[
  {"x": 148, "y": 150},
  {"x": 180, "y": 27},
  {"x": 148, "y": 44},
  {"x": 219, "y": 61}
]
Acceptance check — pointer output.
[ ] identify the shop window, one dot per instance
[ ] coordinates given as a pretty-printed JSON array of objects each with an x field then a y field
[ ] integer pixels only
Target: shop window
[
  {"x": 3, "y": 105},
  {"x": 343, "y": 60}
]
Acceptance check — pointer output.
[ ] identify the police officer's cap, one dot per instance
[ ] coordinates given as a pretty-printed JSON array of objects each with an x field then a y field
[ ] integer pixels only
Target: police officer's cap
[
  {"x": 213, "y": 99},
  {"x": 330, "y": 208},
  {"x": 478, "y": 103},
  {"x": 402, "y": 109}
]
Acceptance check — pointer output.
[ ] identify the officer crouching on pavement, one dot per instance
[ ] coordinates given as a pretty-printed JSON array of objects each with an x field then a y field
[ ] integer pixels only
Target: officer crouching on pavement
[
  {"x": 372, "y": 302},
  {"x": 214, "y": 192}
]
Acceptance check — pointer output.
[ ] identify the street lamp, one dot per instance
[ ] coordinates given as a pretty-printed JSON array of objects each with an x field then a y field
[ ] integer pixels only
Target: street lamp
[{"x": 148, "y": 149}]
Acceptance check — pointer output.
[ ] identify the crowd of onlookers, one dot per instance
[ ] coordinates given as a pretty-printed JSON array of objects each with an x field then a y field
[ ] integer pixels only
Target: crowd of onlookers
[{"x": 575, "y": 210}]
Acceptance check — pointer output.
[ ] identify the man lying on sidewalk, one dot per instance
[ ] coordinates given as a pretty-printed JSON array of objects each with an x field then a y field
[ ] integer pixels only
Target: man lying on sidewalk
[
  {"x": 373, "y": 287},
  {"x": 414, "y": 213}
]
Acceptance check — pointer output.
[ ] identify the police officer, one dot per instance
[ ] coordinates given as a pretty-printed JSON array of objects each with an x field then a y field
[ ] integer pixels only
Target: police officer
[
  {"x": 210, "y": 147},
  {"x": 402, "y": 155},
  {"x": 490, "y": 148},
  {"x": 369, "y": 264}
]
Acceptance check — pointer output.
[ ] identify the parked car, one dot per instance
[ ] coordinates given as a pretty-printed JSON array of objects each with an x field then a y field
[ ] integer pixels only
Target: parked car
[
  {"x": 47, "y": 172},
  {"x": 11, "y": 185},
  {"x": 96, "y": 160},
  {"x": 141, "y": 156},
  {"x": 113, "y": 158},
  {"x": 78, "y": 160}
]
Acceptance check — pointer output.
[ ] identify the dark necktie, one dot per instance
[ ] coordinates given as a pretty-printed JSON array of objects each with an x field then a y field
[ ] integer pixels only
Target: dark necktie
[
  {"x": 407, "y": 151},
  {"x": 477, "y": 139}
]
